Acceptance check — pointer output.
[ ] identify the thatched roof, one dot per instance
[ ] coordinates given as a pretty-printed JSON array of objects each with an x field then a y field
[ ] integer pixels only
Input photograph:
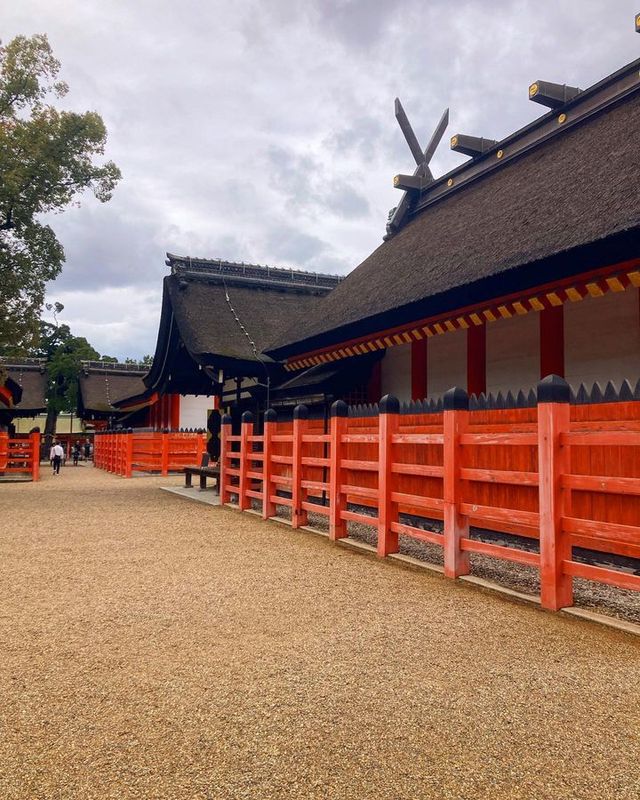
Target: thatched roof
[
  {"x": 30, "y": 378},
  {"x": 101, "y": 384},
  {"x": 566, "y": 203},
  {"x": 223, "y": 315}
]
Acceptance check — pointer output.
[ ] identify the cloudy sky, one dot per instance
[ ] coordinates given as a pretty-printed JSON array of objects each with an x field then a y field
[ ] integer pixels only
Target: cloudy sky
[{"x": 264, "y": 131}]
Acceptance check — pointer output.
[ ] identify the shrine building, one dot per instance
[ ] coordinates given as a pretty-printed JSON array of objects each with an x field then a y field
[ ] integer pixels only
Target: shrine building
[{"x": 522, "y": 262}]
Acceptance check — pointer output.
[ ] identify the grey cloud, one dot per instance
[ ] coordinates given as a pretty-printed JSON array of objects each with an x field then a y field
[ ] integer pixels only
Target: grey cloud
[
  {"x": 288, "y": 244},
  {"x": 264, "y": 132}
]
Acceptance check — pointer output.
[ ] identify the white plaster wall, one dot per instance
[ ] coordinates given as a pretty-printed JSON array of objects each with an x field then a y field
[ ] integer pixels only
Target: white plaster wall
[
  {"x": 602, "y": 338},
  {"x": 194, "y": 410},
  {"x": 396, "y": 372},
  {"x": 513, "y": 353},
  {"x": 446, "y": 362}
]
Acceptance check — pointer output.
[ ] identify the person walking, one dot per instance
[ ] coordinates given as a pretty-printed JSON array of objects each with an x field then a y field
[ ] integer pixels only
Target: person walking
[
  {"x": 76, "y": 453},
  {"x": 55, "y": 456}
]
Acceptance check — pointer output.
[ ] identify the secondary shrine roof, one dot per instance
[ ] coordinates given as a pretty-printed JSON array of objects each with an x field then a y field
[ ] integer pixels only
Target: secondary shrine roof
[
  {"x": 29, "y": 374},
  {"x": 225, "y": 313},
  {"x": 101, "y": 384}
]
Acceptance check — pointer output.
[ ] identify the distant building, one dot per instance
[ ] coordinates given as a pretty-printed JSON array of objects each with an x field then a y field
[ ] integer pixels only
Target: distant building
[{"x": 23, "y": 387}]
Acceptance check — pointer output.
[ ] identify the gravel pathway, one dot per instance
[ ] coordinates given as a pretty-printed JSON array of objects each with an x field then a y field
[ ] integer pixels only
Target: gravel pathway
[{"x": 157, "y": 648}]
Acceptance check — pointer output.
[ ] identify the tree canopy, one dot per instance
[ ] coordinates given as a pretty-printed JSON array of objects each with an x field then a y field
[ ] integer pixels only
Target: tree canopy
[
  {"x": 46, "y": 161},
  {"x": 64, "y": 354}
]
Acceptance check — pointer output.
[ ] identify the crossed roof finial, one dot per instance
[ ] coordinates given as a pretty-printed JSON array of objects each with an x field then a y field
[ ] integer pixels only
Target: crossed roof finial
[{"x": 422, "y": 175}]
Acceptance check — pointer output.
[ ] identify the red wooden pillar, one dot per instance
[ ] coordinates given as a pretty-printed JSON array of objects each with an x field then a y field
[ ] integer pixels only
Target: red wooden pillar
[
  {"x": 270, "y": 427},
  {"x": 300, "y": 425},
  {"x": 174, "y": 412},
  {"x": 339, "y": 420},
  {"x": 35, "y": 456},
  {"x": 552, "y": 341},
  {"x": 245, "y": 431},
  {"x": 388, "y": 421},
  {"x": 419, "y": 388},
  {"x": 225, "y": 453},
  {"x": 556, "y": 587},
  {"x": 456, "y": 525},
  {"x": 477, "y": 359}
]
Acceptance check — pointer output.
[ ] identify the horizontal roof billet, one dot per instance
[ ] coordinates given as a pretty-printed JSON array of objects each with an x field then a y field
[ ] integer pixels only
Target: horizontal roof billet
[{"x": 596, "y": 99}]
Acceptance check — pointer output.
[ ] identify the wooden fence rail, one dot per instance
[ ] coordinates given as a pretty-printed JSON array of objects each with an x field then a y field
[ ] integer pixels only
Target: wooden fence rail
[
  {"x": 20, "y": 455},
  {"x": 565, "y": 474},
  {"x": 126, "y": 452}
]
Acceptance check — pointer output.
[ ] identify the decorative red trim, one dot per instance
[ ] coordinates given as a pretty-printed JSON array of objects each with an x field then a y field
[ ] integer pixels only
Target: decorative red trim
[{"x": 602, "y": 272}]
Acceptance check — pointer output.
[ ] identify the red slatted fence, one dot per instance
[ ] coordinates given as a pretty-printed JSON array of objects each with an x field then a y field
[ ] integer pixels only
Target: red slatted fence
[
  {"x": 20, "y": 455},
  {"x": 126, "y": 452},
  {"x": 566, "y": 474}
]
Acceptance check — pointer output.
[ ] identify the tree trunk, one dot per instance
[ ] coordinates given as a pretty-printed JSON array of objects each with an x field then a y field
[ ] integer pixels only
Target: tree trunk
[{"x": 49, "y": 432}]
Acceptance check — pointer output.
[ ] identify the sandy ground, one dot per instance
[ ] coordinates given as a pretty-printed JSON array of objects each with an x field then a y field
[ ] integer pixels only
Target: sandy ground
[{"x": 152, "y": 647}]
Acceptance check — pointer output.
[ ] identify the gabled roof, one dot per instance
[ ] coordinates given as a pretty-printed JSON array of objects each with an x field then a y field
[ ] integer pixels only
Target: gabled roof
[
  {"x": 29, "y": 375},
  {"x": 558, "y": 198},
  {"x": 225, "y": 314},
  {"x": 101, "y": 384}
]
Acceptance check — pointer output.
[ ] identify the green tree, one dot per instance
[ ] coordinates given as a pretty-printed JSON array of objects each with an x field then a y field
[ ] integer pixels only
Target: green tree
[
  {"x": 145, "y": 361},
  {"x": 64, "y": 353},
  {"x": 46, "y": 161}
]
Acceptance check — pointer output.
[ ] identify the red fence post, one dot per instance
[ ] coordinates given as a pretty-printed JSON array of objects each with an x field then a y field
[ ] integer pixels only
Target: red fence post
[
  {"x": 200, "y": 446},
  {"x": 128, "y": 457},
  {"x": 339, "y": 420},
  {"x": 270, "y": 426},
  {"x": 456, "y": 525},
  {"x": 164, "y": 453},
  {"x": 35, "y": 455},
  {"x": 556, "y": 587},
  {"x": 300, "y": 425},
  {"x": 225, "y": 452},
  {"x": 388, "y": 422},
  {"x": 247, "y": 427}
]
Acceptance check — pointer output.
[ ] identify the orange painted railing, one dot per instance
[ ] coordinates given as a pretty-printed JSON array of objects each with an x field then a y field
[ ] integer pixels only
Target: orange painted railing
[
  {"x": 126, "y": 452},
  {"x": 565, "y": 473},
  {"x": 20, "y": 455}
]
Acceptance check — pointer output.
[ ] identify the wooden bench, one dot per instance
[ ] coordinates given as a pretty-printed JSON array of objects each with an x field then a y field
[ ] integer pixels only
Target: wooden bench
[{"x": 204, "y": 471}]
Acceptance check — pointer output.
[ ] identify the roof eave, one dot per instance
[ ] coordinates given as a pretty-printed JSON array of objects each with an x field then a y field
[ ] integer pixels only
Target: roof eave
[{"x": 618, "y": 247}]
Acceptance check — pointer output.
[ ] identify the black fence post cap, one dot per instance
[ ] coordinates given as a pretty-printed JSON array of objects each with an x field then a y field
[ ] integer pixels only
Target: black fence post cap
[
  {"x": 247, "y": 416},
  {"x": 301, "y": 412},
  {"x": 389, "y": 404},
  {"x": 455, "y": 399},
  {"x": 339, "y": 409},
  {"x": 270, "y": 415},
  {"x": 553, "y": 389},
  {"x": 227, "y": 419}
]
